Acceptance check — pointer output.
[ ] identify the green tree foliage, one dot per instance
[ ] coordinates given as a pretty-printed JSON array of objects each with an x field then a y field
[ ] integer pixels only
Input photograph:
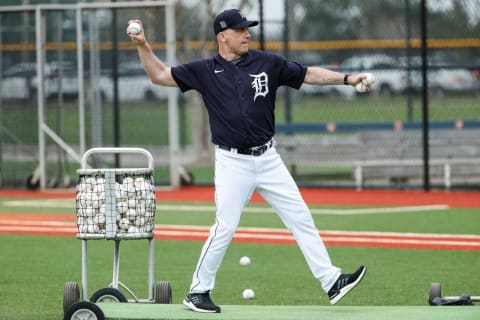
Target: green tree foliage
[{"x": 384, "y": 19}]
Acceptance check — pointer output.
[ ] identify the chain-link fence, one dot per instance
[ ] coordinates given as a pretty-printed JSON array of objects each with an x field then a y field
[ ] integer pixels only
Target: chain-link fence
[
  {"x": 328, "y": 135},
  {"x": 334, "y": 135},
  {"x": 118, "y": 98}
]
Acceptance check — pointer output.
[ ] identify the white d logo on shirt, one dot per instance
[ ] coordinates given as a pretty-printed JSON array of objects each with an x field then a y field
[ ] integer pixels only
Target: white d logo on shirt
[{"x": 260, "y": 84}]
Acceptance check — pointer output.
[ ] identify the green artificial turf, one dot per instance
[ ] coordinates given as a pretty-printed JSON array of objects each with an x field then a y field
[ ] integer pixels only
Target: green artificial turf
[
  {"x": 36, "y": 268},
  {"x": 255, "y": 312}
]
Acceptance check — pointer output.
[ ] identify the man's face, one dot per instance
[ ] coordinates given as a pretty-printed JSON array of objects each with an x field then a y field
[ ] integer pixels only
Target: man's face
[{"x": 237, "y": 40}]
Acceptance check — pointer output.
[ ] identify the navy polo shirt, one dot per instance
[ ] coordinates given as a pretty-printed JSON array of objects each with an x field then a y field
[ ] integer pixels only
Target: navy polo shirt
[{"x": 240, "y": 98}]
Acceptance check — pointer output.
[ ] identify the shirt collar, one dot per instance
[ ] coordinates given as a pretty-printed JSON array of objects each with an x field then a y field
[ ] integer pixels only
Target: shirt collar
[{"x": 222, "y": 61}]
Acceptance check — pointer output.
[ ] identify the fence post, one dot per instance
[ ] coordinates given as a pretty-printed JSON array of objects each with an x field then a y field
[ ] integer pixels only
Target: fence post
[{"x": 425, "y": 126}]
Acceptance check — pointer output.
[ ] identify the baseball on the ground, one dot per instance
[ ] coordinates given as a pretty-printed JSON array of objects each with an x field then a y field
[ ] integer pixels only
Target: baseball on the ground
[
  {"x": 244, "y": 261},
  {"x": 248, "y": 294},
  {"x": 368, "y": 81},
  {"x": 134, "y": 28}
]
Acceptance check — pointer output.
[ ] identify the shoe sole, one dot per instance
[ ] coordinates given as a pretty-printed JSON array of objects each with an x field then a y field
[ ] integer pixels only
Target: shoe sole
[
  {"x": 192, "y": 307},
  {"x": 345, "y": 290}
]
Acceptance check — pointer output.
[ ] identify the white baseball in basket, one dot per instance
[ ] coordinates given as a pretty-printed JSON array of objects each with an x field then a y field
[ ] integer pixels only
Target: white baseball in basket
[
  {"x": 139, "y": 221},
  {"x": 133, "y": 229},
  {"x": 123, "y": 224},
  {"x": 95, "y": 200},
  {"x": 99, "y": 188},
  {"x": 149, "y": 213},
  {"x": 129, "y": 190},
  {"x": 148, "y": 227},
  {"x": 118, "y": 190},
  {"x": 139, "y": 183},
  {"x": 132, "y": 203},
  {"x": 131, "y": 214},
  {"x": 81, "y": 187},
  {"x": 82, "y": 228},
  {"x": 140, "y": 208},
  {"x": 127, "y": 181},
  {"x": 92, "y": 228},
  {"x": 89, "y": 212},
  {"x": 122, "y": 207},
  {"x": 90, "y": 183},
  {"x": 82, "y": 199},
  {"x": 99, "y": 219}
]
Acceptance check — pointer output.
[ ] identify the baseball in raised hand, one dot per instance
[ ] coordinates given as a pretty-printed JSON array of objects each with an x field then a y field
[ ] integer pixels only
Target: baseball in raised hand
[
  {"x": 135, "y": 31},
  {"x": 134, "y": 28}
]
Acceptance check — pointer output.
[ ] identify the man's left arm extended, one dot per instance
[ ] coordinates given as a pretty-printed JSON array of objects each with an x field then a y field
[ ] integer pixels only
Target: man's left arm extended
[{"x": 322, "y": 76}]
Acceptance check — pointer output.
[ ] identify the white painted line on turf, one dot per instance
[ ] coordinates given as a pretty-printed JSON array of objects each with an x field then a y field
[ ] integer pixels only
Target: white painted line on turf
[
  {"x": 381, "y": 210},
  {"x": 190, "y": 228},
  {"x": 38, "y": 229},
  {"x": 50, "y": 203},
  {"x": 36, "y": 223},
  {"x": 68, "y": 203},
  {"x": 354, "y": 211}
]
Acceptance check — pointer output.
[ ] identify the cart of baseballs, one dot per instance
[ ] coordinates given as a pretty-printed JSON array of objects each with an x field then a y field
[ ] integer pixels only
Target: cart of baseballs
[{"x": 114, "y": 204}]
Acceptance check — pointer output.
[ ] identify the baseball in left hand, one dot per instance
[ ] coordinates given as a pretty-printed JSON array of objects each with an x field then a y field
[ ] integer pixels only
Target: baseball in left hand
[{"x": 364, "y": 85}]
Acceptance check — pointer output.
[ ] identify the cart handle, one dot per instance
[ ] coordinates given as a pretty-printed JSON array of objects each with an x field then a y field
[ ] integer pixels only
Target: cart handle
[{"x": 89, "y": 152}]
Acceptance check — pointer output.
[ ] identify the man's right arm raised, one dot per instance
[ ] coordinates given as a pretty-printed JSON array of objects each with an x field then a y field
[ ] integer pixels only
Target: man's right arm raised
[{"x": 157, "y": 71}]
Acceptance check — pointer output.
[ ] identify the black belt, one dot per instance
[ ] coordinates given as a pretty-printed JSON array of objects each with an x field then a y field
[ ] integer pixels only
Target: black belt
[{"x": 253, "y": 151}]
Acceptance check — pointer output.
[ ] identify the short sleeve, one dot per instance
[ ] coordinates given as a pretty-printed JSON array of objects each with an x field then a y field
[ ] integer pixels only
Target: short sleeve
[
  {"x": 292, "y": 74},
  {"x": 188, "y": 76}
]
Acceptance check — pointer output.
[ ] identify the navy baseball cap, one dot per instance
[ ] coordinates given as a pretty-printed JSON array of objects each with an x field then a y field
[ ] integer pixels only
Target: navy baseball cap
[{"x": 231, "y": 19}]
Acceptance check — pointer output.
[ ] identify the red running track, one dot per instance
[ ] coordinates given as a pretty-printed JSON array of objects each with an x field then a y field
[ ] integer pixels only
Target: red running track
[
  {"x": 34, "y": 224},
  {"x": 64, "y": 225},
  {"x": 316, "y": 196}
]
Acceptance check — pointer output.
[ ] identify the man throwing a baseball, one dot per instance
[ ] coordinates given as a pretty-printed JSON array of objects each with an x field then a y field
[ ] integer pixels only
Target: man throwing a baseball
[{"x": 239, "y": 87}]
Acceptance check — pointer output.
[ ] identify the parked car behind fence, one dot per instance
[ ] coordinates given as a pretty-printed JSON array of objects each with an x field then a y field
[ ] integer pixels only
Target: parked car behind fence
[
  {"x": 19, "y": 82},
  {"x": 133, "y": 85},
  {"x": 389, "y": 77},
  {"x": 443, "y": 76}
]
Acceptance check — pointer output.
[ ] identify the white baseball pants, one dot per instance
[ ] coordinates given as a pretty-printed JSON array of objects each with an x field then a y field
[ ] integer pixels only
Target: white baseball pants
[{"x": 236, "y": 177}]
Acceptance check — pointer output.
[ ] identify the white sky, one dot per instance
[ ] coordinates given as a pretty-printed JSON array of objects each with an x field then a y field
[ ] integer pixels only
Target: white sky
[{"x": 274, "y": 9}]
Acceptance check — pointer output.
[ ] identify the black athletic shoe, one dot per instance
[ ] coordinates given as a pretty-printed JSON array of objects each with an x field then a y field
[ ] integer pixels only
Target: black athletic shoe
[
  {"x": 200, "y": 302},
  {"x": 344, "y": 284}
]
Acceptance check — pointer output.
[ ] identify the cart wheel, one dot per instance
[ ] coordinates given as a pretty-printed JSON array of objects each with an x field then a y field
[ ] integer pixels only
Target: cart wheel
[
  {"x": 435, "y": 292},
  {"x": 84, "y": 310},
  {"x": 71, "y": 294},
  {"x": 108, "y": 295},
  {"x": 163, "y": 292}
]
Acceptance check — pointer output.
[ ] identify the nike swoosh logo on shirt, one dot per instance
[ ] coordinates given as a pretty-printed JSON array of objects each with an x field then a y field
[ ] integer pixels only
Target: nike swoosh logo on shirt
[{"x": 218, "y": 71}]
